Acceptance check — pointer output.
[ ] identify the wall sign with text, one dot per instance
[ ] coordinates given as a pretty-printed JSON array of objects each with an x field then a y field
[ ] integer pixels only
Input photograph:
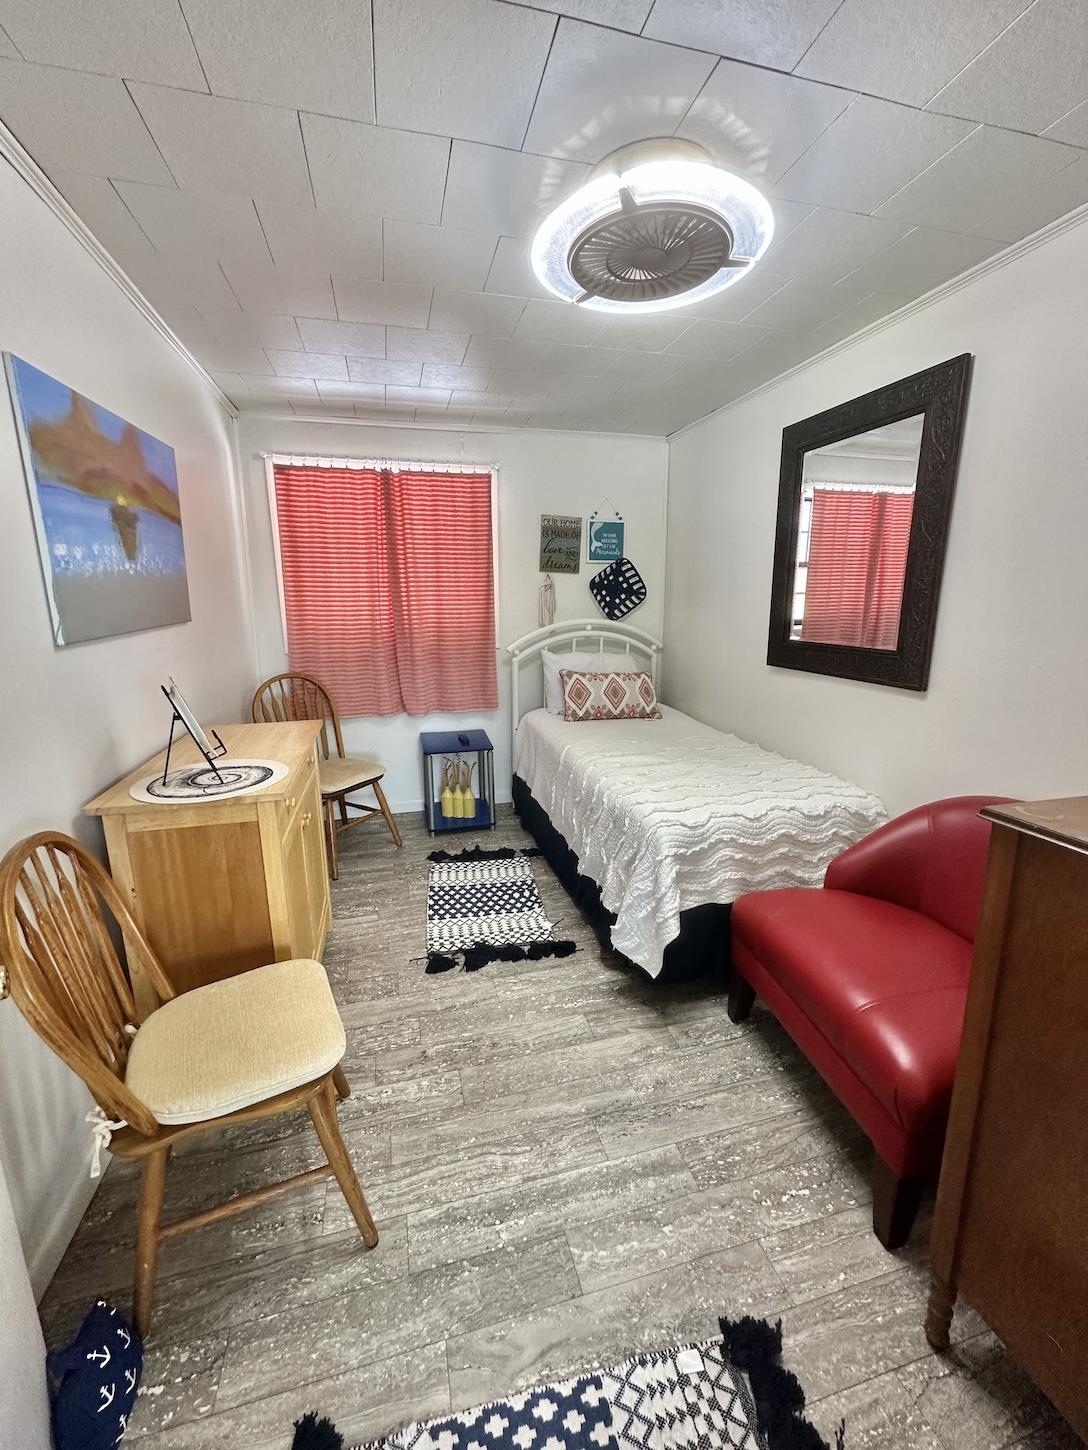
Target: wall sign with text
[
  {"x": 560, "y": 544},
  {"x": 604, "y": 540}
]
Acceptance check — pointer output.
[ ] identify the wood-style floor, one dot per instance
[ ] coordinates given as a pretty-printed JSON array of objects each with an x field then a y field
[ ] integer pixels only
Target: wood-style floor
[{"x": 567, "y": 1165}]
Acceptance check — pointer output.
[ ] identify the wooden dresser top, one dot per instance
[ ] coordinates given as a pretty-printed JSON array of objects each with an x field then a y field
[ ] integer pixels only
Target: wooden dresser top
[
  {"x": 1064, "y": 821},
  {"x": 291, "y": 744}
]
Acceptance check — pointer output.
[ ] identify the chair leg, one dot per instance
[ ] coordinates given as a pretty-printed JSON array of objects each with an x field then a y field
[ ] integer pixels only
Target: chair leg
[
  {"x": 741, "y": 997},
  {"x": 326, "y": 1125},
  {"x": 340, "y": 1083},
  {"x": 895, "y": 1204},
  {"x": 149, "y": 1216},
  {"x": 390, "y": 818},
  {"x": 330, "y": 839}
]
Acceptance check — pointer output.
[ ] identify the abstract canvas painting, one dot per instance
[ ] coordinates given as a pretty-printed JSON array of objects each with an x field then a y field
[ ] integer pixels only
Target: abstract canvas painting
[{"x": 104, "y": 495}]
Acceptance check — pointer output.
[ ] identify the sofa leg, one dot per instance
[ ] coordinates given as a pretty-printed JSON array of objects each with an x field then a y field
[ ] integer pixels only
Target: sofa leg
[
  {"x": 741, "y": 997},
  {"x": 895, "y": 1204}
]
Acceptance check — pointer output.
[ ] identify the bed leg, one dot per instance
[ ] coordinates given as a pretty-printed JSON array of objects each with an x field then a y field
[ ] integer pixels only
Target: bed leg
[{"x": 741, "y": 997}]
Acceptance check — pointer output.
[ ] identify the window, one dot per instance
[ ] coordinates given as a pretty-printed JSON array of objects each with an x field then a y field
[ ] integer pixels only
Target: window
[
  {"x": 387, "y": 582},
  {"x": 850, "y": 586}
]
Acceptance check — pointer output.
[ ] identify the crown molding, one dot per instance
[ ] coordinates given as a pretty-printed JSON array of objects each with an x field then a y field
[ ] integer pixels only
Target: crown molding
[
  {"x": 1012, "y": 253},
  {"x": 436, "y": 425},
  {"x": 24, "y": 165}
]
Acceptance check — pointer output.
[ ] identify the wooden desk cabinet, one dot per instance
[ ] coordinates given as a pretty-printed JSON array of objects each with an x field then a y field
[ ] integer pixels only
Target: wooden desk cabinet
[
  {"x": 222, "y": 886},
  {"x": 1011, "y": 1228}
]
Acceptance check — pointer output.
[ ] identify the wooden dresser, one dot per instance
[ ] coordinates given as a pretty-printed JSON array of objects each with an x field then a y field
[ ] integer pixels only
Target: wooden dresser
[
  {"x": 1011, "y": 1229},
  {"x": 222, "y": 886}
]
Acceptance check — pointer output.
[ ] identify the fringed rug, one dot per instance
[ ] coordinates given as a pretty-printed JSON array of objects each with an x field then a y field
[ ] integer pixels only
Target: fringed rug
[
  {"x": 728, "y": 1392},
  {"x": 483, "y": 906}
]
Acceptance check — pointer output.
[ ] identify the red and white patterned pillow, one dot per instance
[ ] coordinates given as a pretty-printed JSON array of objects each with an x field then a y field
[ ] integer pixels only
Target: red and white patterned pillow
[{"x": 608, "y": 695}]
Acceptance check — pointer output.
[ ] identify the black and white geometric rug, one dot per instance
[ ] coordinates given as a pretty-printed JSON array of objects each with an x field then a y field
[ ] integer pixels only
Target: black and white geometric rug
[
  {"x": 483, "y": 906},
  {"x": 729, "y": 1393}
]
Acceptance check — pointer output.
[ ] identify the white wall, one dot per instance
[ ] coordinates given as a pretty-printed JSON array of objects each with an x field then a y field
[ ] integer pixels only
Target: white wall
[
  {"x": 24, "y": 1406},
  {"x": 1008, "y": 691},
  {"x": 560, "y": 473},
  {"x": 77, "y": 718}
]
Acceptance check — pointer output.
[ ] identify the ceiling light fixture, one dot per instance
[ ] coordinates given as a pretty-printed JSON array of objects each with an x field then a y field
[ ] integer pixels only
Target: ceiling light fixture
[{"x": 657, "y": 225}]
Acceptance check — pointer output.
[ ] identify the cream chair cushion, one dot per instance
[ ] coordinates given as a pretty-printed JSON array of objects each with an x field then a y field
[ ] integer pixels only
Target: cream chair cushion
[
  {"x": 236, "y": 1042},
  {"x": 341, "y": 772}
]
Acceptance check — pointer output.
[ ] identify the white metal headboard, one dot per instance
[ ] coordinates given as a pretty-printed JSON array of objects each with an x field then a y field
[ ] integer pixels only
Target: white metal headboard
[{"x": 580, "y": 634}]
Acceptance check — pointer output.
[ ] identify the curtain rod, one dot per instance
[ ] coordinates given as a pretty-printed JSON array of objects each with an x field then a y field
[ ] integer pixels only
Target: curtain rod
[{"x": 405, "y": 465}]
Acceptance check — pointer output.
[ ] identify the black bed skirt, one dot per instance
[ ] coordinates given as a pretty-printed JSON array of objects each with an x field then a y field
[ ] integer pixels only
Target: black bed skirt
[{"x": 702, "y": 946}]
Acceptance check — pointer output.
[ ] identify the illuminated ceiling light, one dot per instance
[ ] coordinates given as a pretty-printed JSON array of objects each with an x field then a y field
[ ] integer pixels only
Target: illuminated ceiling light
[{"x": 657, "y": 225}]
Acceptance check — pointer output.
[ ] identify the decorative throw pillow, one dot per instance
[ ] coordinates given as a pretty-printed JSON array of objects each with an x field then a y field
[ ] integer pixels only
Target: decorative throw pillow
[
  {"x": 552, "y": 663},
  {"x": 99, "y": 1373},
  {"x": 608, "y": 695},
  {"x": 618, "y": 589}
]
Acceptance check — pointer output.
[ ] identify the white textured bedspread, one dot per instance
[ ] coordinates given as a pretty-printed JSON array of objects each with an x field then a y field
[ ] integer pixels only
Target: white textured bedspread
[{"x": 668, "y": 814}]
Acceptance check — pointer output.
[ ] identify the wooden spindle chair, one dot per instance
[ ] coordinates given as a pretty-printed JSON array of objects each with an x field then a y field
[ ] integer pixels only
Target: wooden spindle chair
[
  {"x": 255, "y": 1045},
  {"x": 302, "y": 697}
]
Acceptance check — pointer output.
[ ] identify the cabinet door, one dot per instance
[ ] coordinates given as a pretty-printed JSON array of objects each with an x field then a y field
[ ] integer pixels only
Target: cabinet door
[
  {"x": 317, "y": 874},
  {"x": 299, "y": 890}
]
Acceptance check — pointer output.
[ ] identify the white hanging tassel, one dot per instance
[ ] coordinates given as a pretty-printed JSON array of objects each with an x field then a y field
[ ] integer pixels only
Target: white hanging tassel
[
  {"x": 546, "y": 609},
  {"x": 102, "y": 1130}
]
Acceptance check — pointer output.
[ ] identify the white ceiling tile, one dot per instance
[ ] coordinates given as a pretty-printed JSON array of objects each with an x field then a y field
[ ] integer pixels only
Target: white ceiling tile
[
  {"x": 355, "y": 392},
  {"x": 147, "y": 42},
  {"x": 574, "y": 360},
  {"x": 273, "y": 289},
  {"x": 502, "y": 352},
  {"x": 505, "y": 192},
  {"x": 707, "y": 337},
  {"x": 603, "y": 88},
  {"x": 7, "y": 50},
  {"x": 313, "y": 57},
  {"x": 865, "y": 156},
  {"x": 437, "y": 256},
  {"x": 829, "y": 244},
  {"x": 309, "y": 364},
  {"x": 475, "y": 75},
  {"x": 249, "y": 360},
  {"x": 787, "y": 214},
  {"x": 801, "y": 306},
  {"x": 191, "y": 223},
  {"x": 572, "y": 388},
  {"x": 401, "y": 374},
  {"x": 479, "y": 312},
  {"x": 310, "y": 240},
  {"x": 74, "y": 122},
  {"x": 195, "y": 280},
  {"x": 621, "y": 14},
  {"x": 735, "y": 303},
  {"x": 649, "y": 334},
  {"x": 519, "y": 382},
  {"x": 1032, "y": 74},
  {"x": 544, "y": 405},
  {"x": 511, "y": 272},
  {"x": 959, "y": 190},
  {"x": 250, "y": 329},
  {"x": 599, "y": 410},
  {"x": 921, "y": 261},
  {"x": 558, "y": 322},
  {"x": 775, "y": 34},
  {"x": 98, "y": 206},
  {"x": 231, "y": 384},
  {"x": 1072, "y": 127},
  {"x": 870, "y": 309},
  {"x": 238, "y": 147},
  {"x": 636, "y": 366},
  {"x": 1016, "y": 213},
  {"x": 324, "y": 409},
  {"x": 375, "y": 170},
  {"x": 359, "y": 300},
  {"x": 438, "y": 375},
  {"x": 360, "y": 339},
  {"x": 759, "y": 121},
  {"x": 904, "y": 52},
  {"x": 413, "y": 344},
  {"x": 261, "y": 387},
  {"x": 438, "y": 397},
  {"x": 467, "y": 398}
]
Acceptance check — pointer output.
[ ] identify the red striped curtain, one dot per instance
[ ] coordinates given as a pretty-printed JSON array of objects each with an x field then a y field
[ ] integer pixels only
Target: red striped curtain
[
  {"x": 857, "y": 563},
  {"x": 388, "y": 585}
]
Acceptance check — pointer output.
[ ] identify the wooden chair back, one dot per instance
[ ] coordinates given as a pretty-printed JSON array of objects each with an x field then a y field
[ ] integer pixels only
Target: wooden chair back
[
  {"x": 298, "y": 697},
  {"x": 66, "y": 976}
]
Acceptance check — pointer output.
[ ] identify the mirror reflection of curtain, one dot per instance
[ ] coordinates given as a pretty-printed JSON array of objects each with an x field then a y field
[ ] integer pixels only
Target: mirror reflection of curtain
[{"x": 856, "y": 567}]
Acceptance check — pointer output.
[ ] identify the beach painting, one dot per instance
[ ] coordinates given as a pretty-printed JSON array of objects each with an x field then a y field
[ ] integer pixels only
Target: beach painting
[{"x": 104, "y": 495}]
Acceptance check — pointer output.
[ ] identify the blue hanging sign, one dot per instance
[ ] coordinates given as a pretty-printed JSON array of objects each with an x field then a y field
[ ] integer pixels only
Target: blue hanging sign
[{"x": 604, "y": 539}]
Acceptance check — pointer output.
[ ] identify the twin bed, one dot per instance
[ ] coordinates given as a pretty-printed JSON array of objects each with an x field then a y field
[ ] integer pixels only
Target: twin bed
[{"x": 656, "y": 826}]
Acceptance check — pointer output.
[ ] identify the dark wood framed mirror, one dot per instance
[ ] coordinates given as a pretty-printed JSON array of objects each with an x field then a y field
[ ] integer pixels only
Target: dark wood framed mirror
[{"x": 864, "y": 499}]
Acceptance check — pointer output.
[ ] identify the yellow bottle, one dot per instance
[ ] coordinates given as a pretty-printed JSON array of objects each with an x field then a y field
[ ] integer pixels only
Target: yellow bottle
[
  {"x": 468, "y": 800},
  {"x": 458, "y": 796}
]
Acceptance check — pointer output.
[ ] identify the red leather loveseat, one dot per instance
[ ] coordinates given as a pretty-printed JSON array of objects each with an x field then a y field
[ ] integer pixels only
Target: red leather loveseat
[{"x": 869, "y": 975}]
